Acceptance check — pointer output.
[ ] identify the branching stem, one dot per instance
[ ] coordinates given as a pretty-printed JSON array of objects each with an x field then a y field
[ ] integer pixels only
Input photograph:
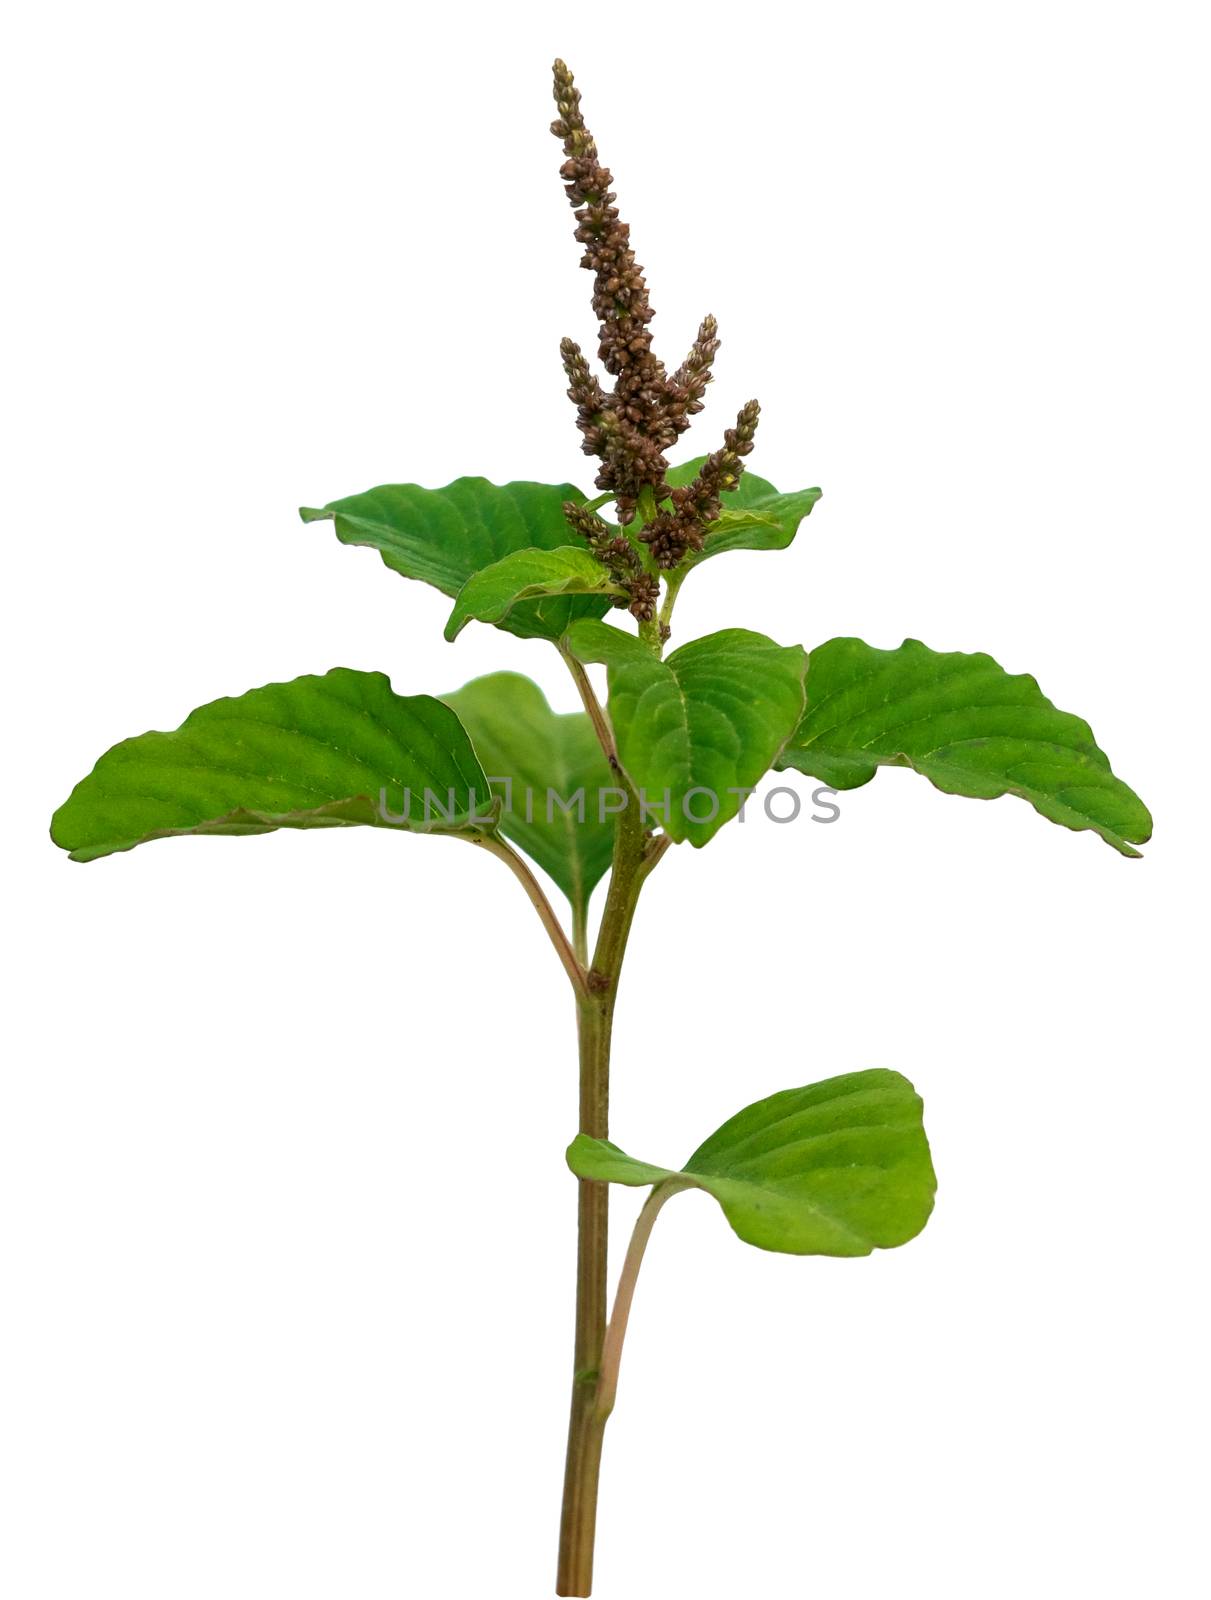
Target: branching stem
[{"x": 635, "y": 855}]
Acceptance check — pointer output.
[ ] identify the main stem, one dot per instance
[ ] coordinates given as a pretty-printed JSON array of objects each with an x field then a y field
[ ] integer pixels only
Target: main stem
[{"x": 634, "y": 856}]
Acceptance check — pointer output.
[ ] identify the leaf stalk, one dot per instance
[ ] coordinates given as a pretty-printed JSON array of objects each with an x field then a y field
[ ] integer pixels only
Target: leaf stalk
[
  {"x": 593, "y": 706},
  {"x": 624, "y": 1294},
  {"x": 496, "y": 846}
]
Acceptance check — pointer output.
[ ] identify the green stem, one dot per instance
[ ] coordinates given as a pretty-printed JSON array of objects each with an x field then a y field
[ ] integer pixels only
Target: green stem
[
  {"x": 580, "y": 929},
  {"x": 635, "y": 854},
  {"x": 649, "y": 634},
  {"x": 672, "y": 588}
]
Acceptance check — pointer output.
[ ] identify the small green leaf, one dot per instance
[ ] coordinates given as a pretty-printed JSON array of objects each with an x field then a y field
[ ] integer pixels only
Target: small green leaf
[
  {"x": 540, "y": 575},
  {"x": 754, "y": 516},
  {"x": 534, "y": 753},
  {"x": 608, "y": 647},
  {"x": 701, "y": 727},
  {"x": 967, "y": 725},
  {"x": 445, "y": 536},
  {"x": 317, "y": 752},
  {"x": 604, "y": 1162},
  {"x": 839, "y": 1168}
]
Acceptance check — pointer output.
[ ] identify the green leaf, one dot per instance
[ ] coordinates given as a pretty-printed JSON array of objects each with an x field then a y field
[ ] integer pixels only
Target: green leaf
[
  {"x": 967, "y": 725},
  {"x": 314, "y": 753},
  {"x": 521, "y": 741},
  {"x": 754, "y": 516},
  {"x": 702, "y": 726},
  {"x": 541, "y": 575},
  {"x": 445, "y": 536},
  {"x": 839, "y": 1168}
]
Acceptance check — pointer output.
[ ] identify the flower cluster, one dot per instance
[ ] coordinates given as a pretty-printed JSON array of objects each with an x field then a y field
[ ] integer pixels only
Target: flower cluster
[
  {"x": 631, "y": 428},
  {"x": 674, "y": 533},
  {"x": 620, "y": 558}
]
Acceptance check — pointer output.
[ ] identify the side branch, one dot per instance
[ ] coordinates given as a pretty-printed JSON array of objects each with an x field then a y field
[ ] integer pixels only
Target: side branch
[{"x": 517, "y": 866}]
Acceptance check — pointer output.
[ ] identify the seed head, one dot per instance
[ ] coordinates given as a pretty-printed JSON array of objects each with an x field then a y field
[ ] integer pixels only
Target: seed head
[
  {"x": 620, "y": 558},
  {"x": 674, "y": 533},
  {"x": 630, "y": 429}
]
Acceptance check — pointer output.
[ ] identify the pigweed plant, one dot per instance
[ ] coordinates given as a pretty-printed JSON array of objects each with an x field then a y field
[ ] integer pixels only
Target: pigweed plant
[{"x": 837, "y": 1168}]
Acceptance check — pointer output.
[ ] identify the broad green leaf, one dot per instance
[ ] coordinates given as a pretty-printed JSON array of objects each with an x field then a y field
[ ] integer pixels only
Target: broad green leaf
[
  {"x": 445, "y": 536},
  {"x": 754, "y": 516},
  {"x": 530, "y": 751},
  {"x": 839, "y": 1168},
  {"x": 967, "y": 725},
  {"x": 540, "y": 575},
  {"x": 317, "y": 752},
  {"x": 702, "y": 726}
]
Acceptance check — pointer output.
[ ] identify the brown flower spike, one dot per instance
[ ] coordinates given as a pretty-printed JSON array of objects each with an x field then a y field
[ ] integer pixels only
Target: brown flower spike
[{"x": 631, "y": 428}]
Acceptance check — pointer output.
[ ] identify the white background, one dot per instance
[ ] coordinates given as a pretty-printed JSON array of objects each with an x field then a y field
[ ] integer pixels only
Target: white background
[{"x": 287, "y": 1235}]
